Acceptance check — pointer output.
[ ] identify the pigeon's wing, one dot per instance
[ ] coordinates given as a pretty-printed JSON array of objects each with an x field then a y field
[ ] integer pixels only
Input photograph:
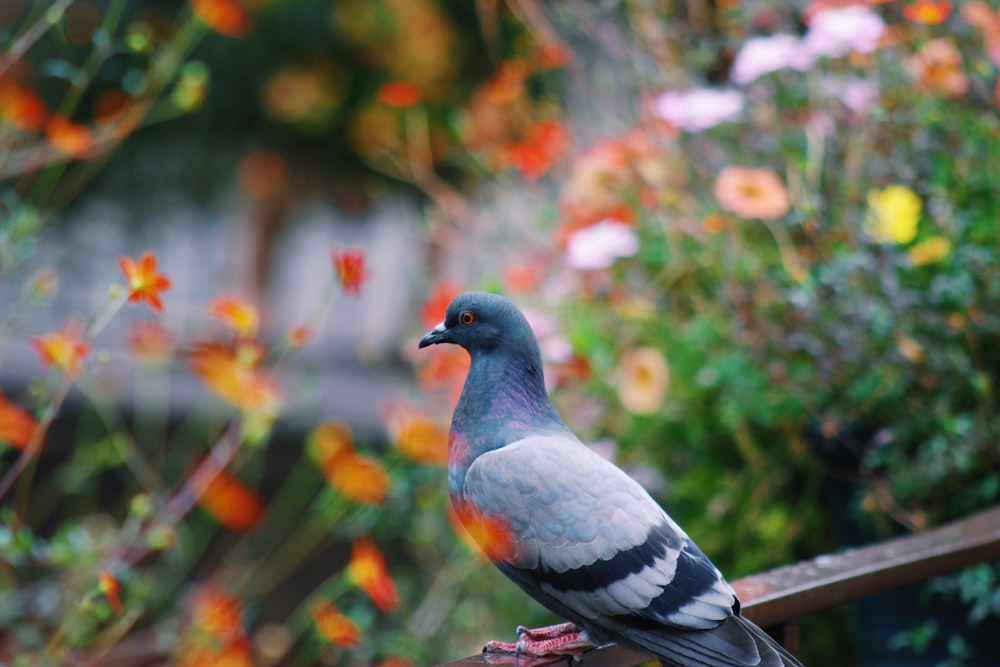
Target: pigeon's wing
[{"x": 590, "y": 540}]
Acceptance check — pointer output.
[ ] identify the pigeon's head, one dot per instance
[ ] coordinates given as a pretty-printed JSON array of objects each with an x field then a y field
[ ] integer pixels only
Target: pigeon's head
[{"x": 482, "y": 322}]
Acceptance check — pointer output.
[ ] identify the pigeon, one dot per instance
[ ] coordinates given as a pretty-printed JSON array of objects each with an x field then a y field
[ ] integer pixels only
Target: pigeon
[{"x": 586, "y": 540}]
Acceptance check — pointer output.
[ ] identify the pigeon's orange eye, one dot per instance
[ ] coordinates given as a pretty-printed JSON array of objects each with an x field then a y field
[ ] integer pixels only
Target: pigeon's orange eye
[{"x": 467, "y": 317}]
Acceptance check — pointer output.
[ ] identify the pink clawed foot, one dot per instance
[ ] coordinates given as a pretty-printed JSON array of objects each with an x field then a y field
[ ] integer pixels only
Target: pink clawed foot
[{"x": 559, "y": 639}]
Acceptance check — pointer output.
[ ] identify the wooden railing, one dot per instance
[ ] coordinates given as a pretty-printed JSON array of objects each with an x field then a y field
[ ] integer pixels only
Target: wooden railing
[{"x": 775, "y": 599}]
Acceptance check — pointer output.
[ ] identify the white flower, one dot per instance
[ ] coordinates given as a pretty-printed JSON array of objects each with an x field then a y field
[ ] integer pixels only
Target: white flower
[
  {"x": 837, "y": 32},
  {"x": 698, "y": 109},
  {"x": 600, "y": 244},
  {"x": 763, "y": 55}
]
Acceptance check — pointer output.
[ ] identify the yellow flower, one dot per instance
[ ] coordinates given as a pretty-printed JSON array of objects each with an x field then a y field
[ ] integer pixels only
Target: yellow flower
[
  {"x": 643, "y": 378},
  {"x": 929, "y": 251},
  {"x": 894, "y": 213}
]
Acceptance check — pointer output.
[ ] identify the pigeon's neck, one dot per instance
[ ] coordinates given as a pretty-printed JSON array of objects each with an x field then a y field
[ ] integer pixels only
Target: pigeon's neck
[{"x": 503, "y": 401}]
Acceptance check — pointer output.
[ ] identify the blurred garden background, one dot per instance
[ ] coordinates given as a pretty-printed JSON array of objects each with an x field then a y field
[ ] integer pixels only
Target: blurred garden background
[{"x": 758, "y": 242}]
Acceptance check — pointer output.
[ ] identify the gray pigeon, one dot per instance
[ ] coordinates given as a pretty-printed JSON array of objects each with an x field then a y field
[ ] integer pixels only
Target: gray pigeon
[{"x": 588, "y": 542}]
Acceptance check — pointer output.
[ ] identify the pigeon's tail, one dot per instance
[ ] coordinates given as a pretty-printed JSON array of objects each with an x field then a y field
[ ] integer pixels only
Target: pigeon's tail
[{"x": 737, "y": 642}]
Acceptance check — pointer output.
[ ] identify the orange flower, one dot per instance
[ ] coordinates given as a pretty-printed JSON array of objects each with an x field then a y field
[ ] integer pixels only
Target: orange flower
[
  {"x": 336, "y": 628},
  {"x": 552, "y": 55},
  {"x": 231, "y": 503},
  {"x": 487, "y": 534},
  {"x": 239, "y": 315},
  {"x": 299, "y": 336},
  {"x": 71, "y": 138},
  {"x": 752, "y": 193},
  {"x": 227, "y": 17},
  {"x": 64, "y": 348},
  {"x": 200, "y": 654},
  {"x": 930, "y": 12},
  {"x": 144, "y": 283},
  {"x": 150, "y": 343},
  {"x": 399, "y": 94},
  {"x": 508, "y": 85},
  {"x": 395, "y": 661},
  {"x": 17, "y": 426},
  {"x": 232, "y": 373},
  {"x": 110, "y": 588},
  {"x": 361, "y": 479},
  {"x": 937, "y": 67},
  {"x": 217, "y": 614},
  {"x": 545, "y": 144},
  {"x": 368, "y": 572},
  {"x": 330, "y": 441},
  {"x": 416, "y": 435},
  {"x": 351, "y": 270},
  {"x": 930, "y": 250}
]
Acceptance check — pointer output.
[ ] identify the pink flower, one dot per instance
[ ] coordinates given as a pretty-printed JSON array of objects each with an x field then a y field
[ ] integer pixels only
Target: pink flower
[
  {"x": 600, "y": 244},
  {"x": 854, "y": 93},
  {"x": 698, "y": 109},
  {"x": 763, "y": 55},
  {"x": 837, "y": 32}
]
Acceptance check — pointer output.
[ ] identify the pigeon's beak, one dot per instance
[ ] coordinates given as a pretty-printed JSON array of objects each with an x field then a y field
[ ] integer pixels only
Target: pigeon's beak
[{"x": 435, "y": 336}]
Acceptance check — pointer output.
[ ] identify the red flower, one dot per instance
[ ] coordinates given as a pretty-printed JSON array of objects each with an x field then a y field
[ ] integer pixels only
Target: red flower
[
  {"x": 22, "y": 108},
  {"x": 351, "y": 270},
  {"x": 17, "y": 426},
  {"x": 434, "y": 308},
  {"x": 227, "y": 17},
  {"x": 64, "y": 348},
  {"x": 144, "y": 283},
  {"x": 545, "y": 144},
  {"x": 368, "y": 572},
  {"x": 930, "y": 12},
  {"x": 231, "y": 503},
  {"x": 399, "y": 94}
]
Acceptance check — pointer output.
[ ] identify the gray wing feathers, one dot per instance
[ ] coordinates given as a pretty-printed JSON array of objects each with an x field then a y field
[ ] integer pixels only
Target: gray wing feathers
[{"x": 565, "y": 504}]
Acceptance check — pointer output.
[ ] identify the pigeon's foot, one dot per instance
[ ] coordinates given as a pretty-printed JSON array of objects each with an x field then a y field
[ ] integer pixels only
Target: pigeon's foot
[{"x": 560, "y": 639}]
